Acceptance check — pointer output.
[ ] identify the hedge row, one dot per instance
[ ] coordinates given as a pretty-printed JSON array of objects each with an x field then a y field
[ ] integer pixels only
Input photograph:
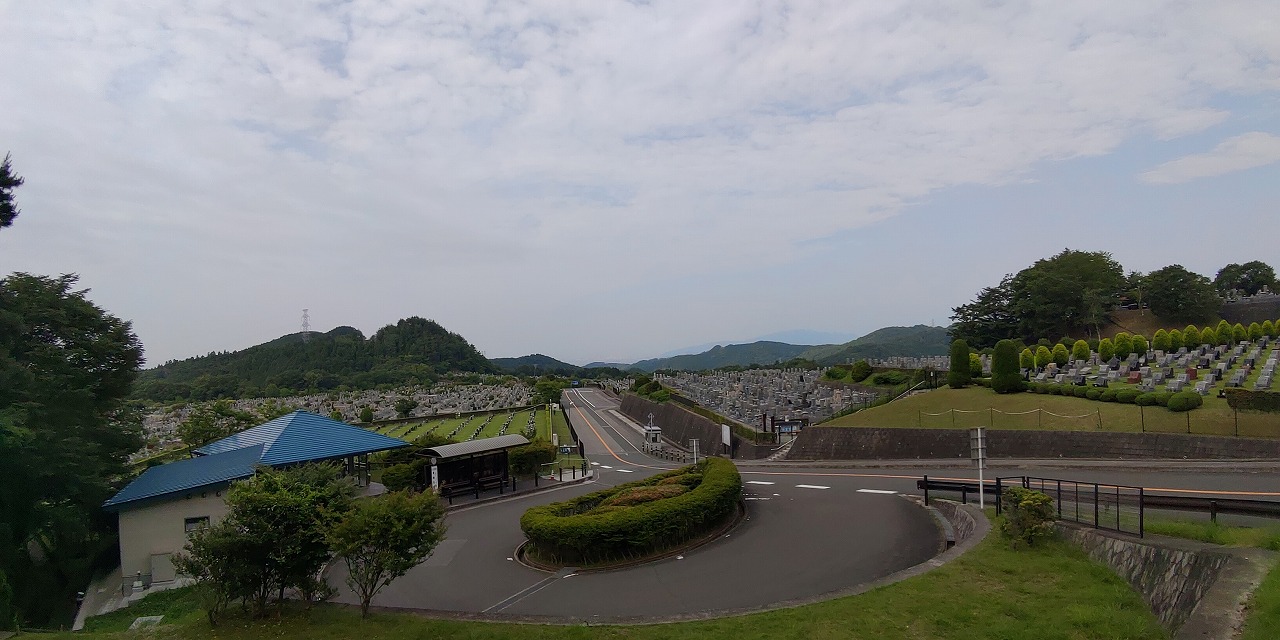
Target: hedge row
[
  {"x": 1245, "y": 400},
  {"x": 1181, "y": 401},
  {"x": 584, "y": 530}
]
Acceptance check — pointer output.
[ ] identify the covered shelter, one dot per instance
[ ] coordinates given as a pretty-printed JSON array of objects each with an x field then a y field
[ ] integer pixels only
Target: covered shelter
[{"x": 474, "y": 465}]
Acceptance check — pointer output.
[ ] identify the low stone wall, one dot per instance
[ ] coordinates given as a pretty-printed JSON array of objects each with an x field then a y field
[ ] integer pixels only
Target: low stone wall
[
  {"x": 873, "y": 443},
  {"x": 962, "y": 521},
  {"x": 1173, "y": 576}
]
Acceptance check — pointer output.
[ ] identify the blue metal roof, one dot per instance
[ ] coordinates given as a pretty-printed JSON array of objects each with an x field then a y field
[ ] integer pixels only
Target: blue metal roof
[
  {"x": 183, "y": 475},
  {"x": 302, "y": 437}
]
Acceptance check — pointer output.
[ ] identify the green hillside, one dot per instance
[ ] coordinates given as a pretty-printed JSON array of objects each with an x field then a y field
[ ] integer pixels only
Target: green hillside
[
  {"x": 412, "y": 351},
  {"x": 762, "y": 352},
  {"x": 919, "y": 340}
]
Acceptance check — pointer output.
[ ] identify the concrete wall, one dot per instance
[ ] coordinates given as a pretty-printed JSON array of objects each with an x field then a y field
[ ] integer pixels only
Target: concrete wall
[
  {"x": 1172, "y": 575},
  {"x": 961, "y": 521},
  {"x": 159, "y": 528},
  {"x": 678, "y": 425},
  {"x": 1256, "y": 309},
  {"x": 871, "y": 443}
]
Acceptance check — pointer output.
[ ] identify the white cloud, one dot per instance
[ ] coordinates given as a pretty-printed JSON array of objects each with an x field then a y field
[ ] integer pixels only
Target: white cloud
[
  {"x": 1254, "y": 149},
  {"x": 359, "y": 153}
]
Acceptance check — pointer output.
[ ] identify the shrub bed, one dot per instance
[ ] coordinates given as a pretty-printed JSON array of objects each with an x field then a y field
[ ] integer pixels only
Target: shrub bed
[{"x": 636, "y": 519}]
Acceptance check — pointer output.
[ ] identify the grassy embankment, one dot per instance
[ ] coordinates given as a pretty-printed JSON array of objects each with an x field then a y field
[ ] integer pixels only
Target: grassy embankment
[
  {"x": 1048, "y": 592},
  {"x": 982, "y": 407}
]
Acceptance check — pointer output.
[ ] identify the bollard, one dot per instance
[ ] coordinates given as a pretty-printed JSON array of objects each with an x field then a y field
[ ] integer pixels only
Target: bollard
[
  {"x": 561, "y": 469},
  {"x": 964, "y": 495},
  {"x": 926, "y": 491}
]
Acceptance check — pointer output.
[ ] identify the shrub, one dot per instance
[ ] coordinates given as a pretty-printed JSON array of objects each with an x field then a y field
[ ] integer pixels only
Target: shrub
[
  {"x": 959, "y": 376},
  {"x": 859, "y": 371},
  {"x": 889, "y": 378},
  {"x": 1123, "y": 343},
  {"x": 1041, "y": 388},
  {"x": 581, "y": 531},
  {"x": 1245, "y": 400},
  {"x": 1160, "y": 341},
  {"x": 1268, "y": 328},
  {"x": 1093, "y": 394},
  {"x": 1108, "y": 395},
  {"x": 1239, "y": 333},
  {"x": 1106, "y": 350},
  {"x": 1224, "y": 332},
  {"x": 1080, "y": 392},
  {"x": 1185, "y": 401},
  {"x": 975, "y": 365},
  {"x": 1191, "y": 336},
  {"x": 1151, "y": 399},
  {"x": 1005, "y": 377},
  {"x": 1056, "y": 389},
  {"x": 1060, "y": 354},
  {"x": 366, "y": 415},
  {"x": 1043, "y": 356},
  {"x": 1139, "y": 342},
  {"x": 399, "y": 477},
  {"x": 527, "y": 459},
  {"x": 1255, "y": 331},
  {"x": 1127, "y": 396},
  {"x": 1027, "y": 516},
  {"x": 641, "y": 495},
  {"x": 1208, "y": 336},
  {"x": 1176, "y": 340},
  {"x": 1080, "y": 350},
  {"x": 1027, "y": 359}
]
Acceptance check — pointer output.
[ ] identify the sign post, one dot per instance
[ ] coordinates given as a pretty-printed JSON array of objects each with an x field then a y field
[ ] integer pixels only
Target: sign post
[
  {"x": 978, "y": 454},
  {"x": 693, "y": 446}
]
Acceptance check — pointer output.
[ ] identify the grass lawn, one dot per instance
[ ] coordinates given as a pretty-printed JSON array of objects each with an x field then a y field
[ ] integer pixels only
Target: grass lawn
[
  {"x": 1049, "y": 592},
  {"x": 981, "y": 407}
]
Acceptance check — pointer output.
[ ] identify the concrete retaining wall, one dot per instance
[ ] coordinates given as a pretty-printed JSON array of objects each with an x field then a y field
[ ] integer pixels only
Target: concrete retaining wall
[
  {"x": 1172, "y": 575},
  {"x": 678, "y": 425},
  {"x": 961, "y": 521},
  {"x": 872, "y": 443}
]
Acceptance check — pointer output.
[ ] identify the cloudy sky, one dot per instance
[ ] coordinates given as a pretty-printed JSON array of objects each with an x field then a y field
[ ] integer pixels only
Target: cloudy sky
[{"x": 601, "y": 180}]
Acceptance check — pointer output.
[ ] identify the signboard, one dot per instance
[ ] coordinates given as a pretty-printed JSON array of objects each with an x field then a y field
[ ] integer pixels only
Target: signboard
[
  {"x": 726, "y": 435},
  {"x": 978, "y": 454}
]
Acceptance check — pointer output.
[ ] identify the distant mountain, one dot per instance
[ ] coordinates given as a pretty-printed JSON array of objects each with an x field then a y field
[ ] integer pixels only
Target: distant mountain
[
  {"x": 535, "y": 364},
  {"x": 808, "y": 336},
  {"x": 601, "y": 365},
  {"x": 763, "y": 352},
  {"x": 920, "y": 340},
  {"x": 413, "y": 350}
]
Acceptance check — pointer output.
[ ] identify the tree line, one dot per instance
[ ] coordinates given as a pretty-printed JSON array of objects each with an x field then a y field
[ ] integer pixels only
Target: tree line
[{"x": 1078, "y": 291}]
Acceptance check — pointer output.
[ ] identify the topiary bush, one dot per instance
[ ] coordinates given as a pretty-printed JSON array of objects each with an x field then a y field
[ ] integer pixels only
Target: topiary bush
[
  {"x": 1043, "y": 356},
  {"x": 1185, "y": 401},
  {"x": 1268, "y": 328},
  {"x": 1139, "y": 343},
  {"x": 1080, "y": 392},
  {"x": 958, "y": 376},
  {"x": 1191, "y": 336},
  {"x": 1208, "y": 336},
  {"x": 1127, "y": 396},
  {"x": 1255, "y": 331},
  {"x": 1060, "y": 354},
  {"x": 1080, "y": 350},
  {"x": 1106, "y": 350},
  {"x": 1041, "y": 388},
  {"x": 585, "y": 530},
  {"x": 975, "y": 365},
  {"x": 1176, "y": 340},
  {"x": 1108, "y": 395},
  {"x": 859, "y": 371},
  {"x": 1027, "y": 359},
  {"x": 1123, "y": 343},
  {"x": 1093, "y": 394},
  {"x": 1151, "y": 399},
  {"x": 399, "y": 477},
  {"x": 1005, "y": 377},
  {"x": 1160, "y": 340},
  {"x": 1026, "y": 516},
  {"x": 1239, "y": 333}
]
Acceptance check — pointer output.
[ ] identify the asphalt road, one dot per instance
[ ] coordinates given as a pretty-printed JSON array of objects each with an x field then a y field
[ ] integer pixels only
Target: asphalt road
[{"x": 810, "y": 530}]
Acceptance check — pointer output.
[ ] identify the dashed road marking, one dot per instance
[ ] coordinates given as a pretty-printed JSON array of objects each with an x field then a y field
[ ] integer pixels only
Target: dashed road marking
[
  {"x": 758, "y": 482},
  {"x": 811, "y": 486},
  {"x": 876, "y": 491},
  {"x": 626, "y": 471},
  {"x": 605, "y": 466}
]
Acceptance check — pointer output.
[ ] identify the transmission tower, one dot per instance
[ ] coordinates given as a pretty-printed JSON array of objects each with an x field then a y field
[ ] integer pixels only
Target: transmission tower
[{"x": 306, "y": 325}]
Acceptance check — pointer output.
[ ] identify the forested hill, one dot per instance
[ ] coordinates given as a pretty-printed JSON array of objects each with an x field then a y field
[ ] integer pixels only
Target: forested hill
[
  {"x": 920, "y": 340},
  {"x": 410, "y": 351},
  {"x": 762, "y": 352}
]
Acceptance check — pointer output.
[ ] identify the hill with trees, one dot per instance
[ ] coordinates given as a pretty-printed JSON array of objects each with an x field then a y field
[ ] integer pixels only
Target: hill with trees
[
  {"x": 538, "y": 364},
  {"x": 762, "y": 352},
  {"x": 918, "y": 340},
  {"x": 411, "y": 351}
]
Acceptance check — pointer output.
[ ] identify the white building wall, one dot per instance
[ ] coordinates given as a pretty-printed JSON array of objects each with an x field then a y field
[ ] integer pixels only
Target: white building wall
[{"x": 159, "y": 528}]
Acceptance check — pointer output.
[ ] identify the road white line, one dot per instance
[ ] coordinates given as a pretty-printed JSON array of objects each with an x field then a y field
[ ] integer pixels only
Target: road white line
[
  {"x": 586, "y": 399},
  {"x": 626, "y": 471},
  {"x": 758, "y": 482},
  {"x": 595, "y": 464},
  {"x": 811, "y": 486},
  {"x": 605, "y": 466},
  {"x": 876, "y": 491}
]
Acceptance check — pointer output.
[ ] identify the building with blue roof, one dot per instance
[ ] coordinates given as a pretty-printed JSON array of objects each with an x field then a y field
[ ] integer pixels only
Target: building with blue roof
[{"x": 165, "y": 503}]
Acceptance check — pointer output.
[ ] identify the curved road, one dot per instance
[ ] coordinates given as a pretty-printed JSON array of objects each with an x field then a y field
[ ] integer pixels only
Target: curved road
[{"x": 809, "y": 531}]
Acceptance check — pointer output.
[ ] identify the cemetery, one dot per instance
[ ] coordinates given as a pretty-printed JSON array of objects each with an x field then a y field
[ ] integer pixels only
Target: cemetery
[{"x": 755, "y": 395}]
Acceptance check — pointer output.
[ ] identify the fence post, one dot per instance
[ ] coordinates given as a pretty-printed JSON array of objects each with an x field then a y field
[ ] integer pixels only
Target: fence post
[
  {"x": 953, "y": 418},
  {"x": 1142, "y": 415},
  {"x": 964, "y": 494},
  {"x": 999, "y": 491},
  {"x": 1095, "y": 505},
  {"x": 1213, "y": 511},
  {"x": 1142, "y": 512},
  {"x": 991, "y": 419},
  {"x": 1059, "y": 499},
  {"x": 1099, "y": 419},
  {"x": 1236, "y": 413},
  {"x": 926, "y": 491},
  {"x": 1188, "y": 422}
]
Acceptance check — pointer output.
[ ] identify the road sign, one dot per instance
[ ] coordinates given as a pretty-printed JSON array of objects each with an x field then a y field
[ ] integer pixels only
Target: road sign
[{"x": 978, "y": 454}]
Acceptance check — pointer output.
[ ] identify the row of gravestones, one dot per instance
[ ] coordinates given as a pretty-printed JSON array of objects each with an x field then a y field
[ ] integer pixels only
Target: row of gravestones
[{"x": 1175, "y": 371}]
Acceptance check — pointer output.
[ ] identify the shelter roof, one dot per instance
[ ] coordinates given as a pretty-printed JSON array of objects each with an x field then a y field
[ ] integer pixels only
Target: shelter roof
[{"x": 474, "y": 447}]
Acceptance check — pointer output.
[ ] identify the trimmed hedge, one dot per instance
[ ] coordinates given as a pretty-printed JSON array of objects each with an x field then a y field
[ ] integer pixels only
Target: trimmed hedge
[
  {"x": 584, "y": 530},
  {"x": 1185, "y": 401},
  {"x": 1245, "y": 400},
  {"x": 1127, "y": 396}
]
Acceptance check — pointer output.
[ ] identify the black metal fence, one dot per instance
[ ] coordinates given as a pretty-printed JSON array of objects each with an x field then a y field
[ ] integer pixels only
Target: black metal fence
[{"x": 1103, "y": 506}]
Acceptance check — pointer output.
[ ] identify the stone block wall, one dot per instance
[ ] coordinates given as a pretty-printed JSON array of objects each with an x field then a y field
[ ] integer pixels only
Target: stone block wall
[
  {"x": 961, "y": 522},
  {"x": 1172, "y": 575},
  {"x": 873, "y": 443}
]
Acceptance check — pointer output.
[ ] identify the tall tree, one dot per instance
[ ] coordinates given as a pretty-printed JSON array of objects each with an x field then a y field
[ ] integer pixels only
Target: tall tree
[
  {"x": 1178, "y": 295},
  {"x": 1248, "y": 278},
  {"x": 1005, "y": 377},
  {"x": 65, "y": 437},
  {"x": 8, "y": 182},
  {"x": 1070, "y": 290},
  {"x": 988, "y": 319}
]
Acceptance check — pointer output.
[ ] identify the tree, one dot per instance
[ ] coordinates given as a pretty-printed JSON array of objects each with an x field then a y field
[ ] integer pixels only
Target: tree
[
  {"x": 1268, "y": 328},
  {"x": 959, "y": 376},
  {"x": 210, "y": 422},
  {"x": 1071, "y": 289},
  {"x": 1178, "y": 295},
  {"x": 1176, "y": 340},
  {"x": 8, "y": 182},
  {"x": 1060, "y": 355},
  {"x": 1248, "y": 278},
  {"x": 1224, "y": 332},
  {"x": 383, "y": 538},
  {"x": 1255, "y": 331},
  {"x": 1123, "y": 343},
  {"x": 405, "y": 407},
  {"x": 1140, "y": 345},
  {"x": 1135, "y": 286},
  {"x": 1191, "y": 336},
  {"x": 1208, "y": 336},
  {"x": 1160, "y": 341},
  {"x": 66, "y": 432},
  {"x": 1027, "y": 359},
  {"x": 1239, "y": 333},
  {"x": 1080, "y": 350},
  {"x": 548, "y": 388},
  {"x": 1005, "y": 377},
  {"x": 1106, "y": 350},
  {"x": 1043, "y": 356},
  {"x": 975, "y": 365},
  {"x": 987, "y": 319},
  {"x": 366, "y": 414}
]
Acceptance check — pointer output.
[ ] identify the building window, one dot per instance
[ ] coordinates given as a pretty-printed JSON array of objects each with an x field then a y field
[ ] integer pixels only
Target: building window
[{"x": 192, "y": 524}]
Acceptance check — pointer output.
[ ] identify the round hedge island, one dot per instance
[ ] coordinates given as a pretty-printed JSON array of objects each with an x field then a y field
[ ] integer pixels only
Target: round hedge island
[{"x": 635, "y": 520}]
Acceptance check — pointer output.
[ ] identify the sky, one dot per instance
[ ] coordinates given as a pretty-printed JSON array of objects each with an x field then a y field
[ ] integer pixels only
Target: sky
[{"x": 608, "y": 181}]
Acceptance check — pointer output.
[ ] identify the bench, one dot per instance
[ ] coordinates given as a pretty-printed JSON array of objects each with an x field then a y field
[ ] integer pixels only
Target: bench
[{"x": 489, "y": 482}]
